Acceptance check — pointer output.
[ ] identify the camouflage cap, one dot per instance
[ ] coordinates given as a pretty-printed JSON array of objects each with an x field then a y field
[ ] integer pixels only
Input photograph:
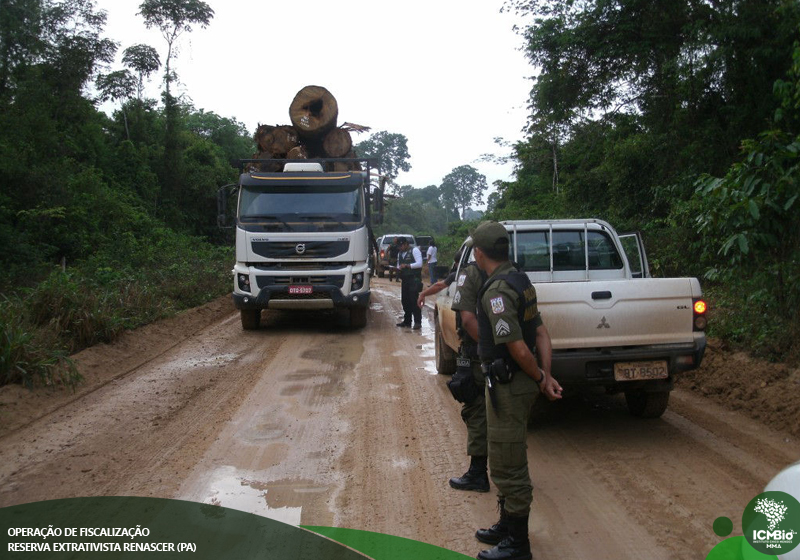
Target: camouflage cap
[{"x": 490, "y": 235}]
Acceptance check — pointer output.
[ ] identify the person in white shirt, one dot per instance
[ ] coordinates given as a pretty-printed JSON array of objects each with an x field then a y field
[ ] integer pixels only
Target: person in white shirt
[
  {"x": 430, "y": 256},
  {"x": 409, "y": 263}
]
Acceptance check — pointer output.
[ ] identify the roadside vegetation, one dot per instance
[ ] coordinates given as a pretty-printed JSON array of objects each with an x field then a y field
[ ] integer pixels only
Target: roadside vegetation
[{"x": 680, "y": 120}]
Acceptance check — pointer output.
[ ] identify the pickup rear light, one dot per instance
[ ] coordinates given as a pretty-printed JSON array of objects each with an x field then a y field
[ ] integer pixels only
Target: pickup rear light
[
  {"x": 382, "y": 254},
  {"x": 700, "y": 321}
]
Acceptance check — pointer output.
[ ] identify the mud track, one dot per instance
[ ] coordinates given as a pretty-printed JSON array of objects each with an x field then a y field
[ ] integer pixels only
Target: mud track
[{"x": 311, "y": 422}]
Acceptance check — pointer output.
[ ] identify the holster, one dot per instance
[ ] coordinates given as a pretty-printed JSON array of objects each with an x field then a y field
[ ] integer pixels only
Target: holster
[
  {"x": 502, "y": 371},
  {"x": 486, "y": 368},
  {"x": 462, "y": 385}
]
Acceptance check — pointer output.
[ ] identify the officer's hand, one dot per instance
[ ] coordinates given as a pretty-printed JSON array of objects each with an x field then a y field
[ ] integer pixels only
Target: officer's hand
[{"x": 551, "y": 388}]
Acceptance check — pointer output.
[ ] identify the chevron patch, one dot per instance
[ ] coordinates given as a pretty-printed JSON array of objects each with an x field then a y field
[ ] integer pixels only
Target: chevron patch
[{"x": 502, "y": 328}]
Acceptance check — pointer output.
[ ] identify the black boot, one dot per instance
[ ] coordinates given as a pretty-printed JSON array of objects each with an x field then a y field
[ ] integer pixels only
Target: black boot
[
  {"x": 515, "y": 546},
  {"x": 476, "y": 478},
  {"x": 498, "y": 531}
]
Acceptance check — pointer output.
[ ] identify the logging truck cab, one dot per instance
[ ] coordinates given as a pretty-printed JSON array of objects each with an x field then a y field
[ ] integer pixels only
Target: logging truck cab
[{"x": 303, "y": 237}]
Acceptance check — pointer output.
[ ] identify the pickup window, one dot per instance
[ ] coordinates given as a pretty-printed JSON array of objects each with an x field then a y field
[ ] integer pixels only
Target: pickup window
[{"x": 569, "y": 251}]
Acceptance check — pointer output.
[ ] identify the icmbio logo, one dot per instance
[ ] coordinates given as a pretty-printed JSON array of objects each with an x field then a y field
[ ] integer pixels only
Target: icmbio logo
[{"x": 771, "y": 522}]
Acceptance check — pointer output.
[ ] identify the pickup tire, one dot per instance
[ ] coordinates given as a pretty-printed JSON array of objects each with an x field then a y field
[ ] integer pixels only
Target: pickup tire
[
  {"x": 445, "y": 357},
  {"x": 646, "y": 404},
  {"x": 358, "y": 317},
  {"x": 251, "y": 319}
]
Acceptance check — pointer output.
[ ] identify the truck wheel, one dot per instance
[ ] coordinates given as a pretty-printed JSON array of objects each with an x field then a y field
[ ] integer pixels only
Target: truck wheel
[
  {"x": 647, "y": 405},
  {"x": 445, "y": 357},
  {"x": 380, "y": 273},
  {"x": 358, "y": 317},
  {"x": 251, "y": 318}
]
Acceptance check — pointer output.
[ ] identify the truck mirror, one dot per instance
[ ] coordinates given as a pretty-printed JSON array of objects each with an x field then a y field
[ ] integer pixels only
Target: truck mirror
[
  {"x": 377, "y": 202},
  {"x": 222, "y": 205}
]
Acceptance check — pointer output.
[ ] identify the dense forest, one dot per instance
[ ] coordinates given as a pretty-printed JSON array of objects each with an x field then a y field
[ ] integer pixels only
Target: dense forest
[{"x": 679, "y": 119}]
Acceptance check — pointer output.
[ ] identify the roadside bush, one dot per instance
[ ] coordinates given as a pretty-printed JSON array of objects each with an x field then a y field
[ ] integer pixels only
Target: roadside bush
[
  {"x": 30, "y": 355},
  {"x": 122, "y": 286}
]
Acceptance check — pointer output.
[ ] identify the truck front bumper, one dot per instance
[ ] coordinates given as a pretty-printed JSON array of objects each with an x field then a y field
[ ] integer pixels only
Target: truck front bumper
[{"x": 323, "y": 297}]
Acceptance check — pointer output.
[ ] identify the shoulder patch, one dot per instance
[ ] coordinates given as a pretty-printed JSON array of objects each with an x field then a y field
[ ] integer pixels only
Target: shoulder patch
[
  {"x": 498, "y": 306},
  {"x": 462, "y": 279},
  {"x": 502, "y": 328}
]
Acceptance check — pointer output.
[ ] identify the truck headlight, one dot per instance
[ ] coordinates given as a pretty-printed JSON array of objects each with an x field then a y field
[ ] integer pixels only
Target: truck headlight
[
  {"x": 358, "y": 281},
  {"x": 244, "y": 282}
]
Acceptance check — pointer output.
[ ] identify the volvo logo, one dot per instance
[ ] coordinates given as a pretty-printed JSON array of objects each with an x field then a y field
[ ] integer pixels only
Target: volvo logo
[{"x": 300, "y": 248}]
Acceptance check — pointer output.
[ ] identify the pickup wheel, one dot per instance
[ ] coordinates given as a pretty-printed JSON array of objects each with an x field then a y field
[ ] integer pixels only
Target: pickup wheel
[
  {"x": 647, "y": 405},
  {"x": 251, "y": 318},
  {"x": 445, "y": 357},
  {"x": 358, "y": 317}
]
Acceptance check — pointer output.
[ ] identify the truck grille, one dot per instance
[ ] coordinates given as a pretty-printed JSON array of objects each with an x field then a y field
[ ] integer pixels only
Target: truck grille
[
  {"x": 263, "y": 281},
  {"x": 305, "y": 250}
]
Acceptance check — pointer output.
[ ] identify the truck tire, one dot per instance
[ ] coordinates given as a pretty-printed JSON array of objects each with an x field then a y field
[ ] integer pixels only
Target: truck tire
[
  {"x": 251, "y": 318},
  {"x": 445, "y": 357},
  {"x": 643, "y": 404},
  {"x": 380, "y": 273},
  {"x": 358, "y": 317}
]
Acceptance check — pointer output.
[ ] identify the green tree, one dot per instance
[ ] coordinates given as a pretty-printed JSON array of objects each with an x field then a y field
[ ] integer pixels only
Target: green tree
[
  {"x": 173, "y": 18},
  {"x": 462, "y": 187},
  {"x": 144, "y": 60},
  {"x": 118, "y": 85},
  {"x": 390, "y": 149}
]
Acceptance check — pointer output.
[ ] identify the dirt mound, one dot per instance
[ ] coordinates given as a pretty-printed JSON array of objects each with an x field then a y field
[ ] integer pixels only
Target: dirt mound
[{"x": 767, "y": 392}]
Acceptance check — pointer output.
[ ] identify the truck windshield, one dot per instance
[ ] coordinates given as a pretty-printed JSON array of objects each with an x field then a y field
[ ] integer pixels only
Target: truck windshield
[{"x": 302, "y": 207}]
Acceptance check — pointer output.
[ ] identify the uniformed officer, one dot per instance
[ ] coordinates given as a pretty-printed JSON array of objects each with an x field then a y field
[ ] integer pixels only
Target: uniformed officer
[
  {"x": 510, "y": 327},
  {"x": 468, "y": 382}
]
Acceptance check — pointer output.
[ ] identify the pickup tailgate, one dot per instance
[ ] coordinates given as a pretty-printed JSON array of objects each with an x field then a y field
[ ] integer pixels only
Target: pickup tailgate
[{"x": 635, "y": 312}]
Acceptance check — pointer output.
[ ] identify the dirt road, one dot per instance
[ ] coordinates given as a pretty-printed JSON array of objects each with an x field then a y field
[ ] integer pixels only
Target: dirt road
[{"x": 311, "y": 422}]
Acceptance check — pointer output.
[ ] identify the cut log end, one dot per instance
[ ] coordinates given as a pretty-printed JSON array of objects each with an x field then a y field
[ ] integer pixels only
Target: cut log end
[
  {"x": 313, "y": 111},
  {"x": 337, "y": 143}
]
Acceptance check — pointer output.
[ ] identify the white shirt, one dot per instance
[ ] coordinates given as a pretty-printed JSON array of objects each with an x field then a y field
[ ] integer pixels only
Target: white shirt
[
  {"x": 431, "y": 255},
  {"x": 416, "y": 253}
]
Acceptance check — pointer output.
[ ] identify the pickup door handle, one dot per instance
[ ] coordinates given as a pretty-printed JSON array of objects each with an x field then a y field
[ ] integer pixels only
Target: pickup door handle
[{"x": 601, "y": 295}]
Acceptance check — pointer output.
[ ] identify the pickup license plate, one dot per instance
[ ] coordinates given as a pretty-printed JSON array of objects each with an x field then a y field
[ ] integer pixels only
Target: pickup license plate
[
  {"x": 633, "y": 371},
  {"x": 300, "y": 290}
]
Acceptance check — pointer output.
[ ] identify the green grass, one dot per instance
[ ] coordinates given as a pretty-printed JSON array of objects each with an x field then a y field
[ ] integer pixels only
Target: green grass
[{"x": 134, "y": 283}]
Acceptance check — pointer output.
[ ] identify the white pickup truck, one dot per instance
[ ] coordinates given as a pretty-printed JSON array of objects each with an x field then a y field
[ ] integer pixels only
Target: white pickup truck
[{"x": 612, "y": 326}]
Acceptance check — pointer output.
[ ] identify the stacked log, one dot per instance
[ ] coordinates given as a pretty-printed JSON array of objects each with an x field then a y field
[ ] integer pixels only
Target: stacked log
[{"x": 312, "y": 134}]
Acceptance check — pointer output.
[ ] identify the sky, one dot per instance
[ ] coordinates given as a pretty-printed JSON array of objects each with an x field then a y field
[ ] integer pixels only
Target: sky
[{"x": 447, "y": 74}]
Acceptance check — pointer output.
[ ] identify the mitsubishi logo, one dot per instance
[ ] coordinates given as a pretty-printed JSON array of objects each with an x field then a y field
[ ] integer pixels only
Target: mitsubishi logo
[
  {"x": 603, "y": 324},
  {"x": 300, "y": 248}
]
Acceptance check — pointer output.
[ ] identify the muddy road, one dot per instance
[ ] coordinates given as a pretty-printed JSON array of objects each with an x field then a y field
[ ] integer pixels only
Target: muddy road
[{"x": 310, "y": 422}]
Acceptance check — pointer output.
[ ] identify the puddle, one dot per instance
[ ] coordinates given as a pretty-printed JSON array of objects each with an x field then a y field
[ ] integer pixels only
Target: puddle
[
  {"x": 282, "y": 500},
  {"x": 233, "y": 491}
]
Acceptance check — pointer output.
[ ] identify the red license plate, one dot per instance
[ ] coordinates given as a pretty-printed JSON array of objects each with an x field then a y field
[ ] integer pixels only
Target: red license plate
[{"x": 297, "y": 290}]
